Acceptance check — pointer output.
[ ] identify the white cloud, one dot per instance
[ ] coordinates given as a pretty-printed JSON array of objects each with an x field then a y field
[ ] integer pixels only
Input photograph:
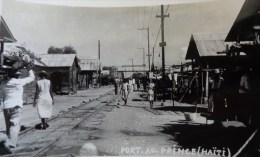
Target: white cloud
[{"x": 111, "y": 3}]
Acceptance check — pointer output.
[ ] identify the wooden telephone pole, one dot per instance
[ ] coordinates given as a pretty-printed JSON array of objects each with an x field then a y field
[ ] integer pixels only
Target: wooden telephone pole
[
  {"x": 99, "y": 70},
  {"x": 162, "y": 44}
]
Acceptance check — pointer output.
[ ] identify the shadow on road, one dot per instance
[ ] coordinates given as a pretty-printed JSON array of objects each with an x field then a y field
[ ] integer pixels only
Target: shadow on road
[
  {"x": 181, "y": 108},
  {"x": 206, "y": 136}
]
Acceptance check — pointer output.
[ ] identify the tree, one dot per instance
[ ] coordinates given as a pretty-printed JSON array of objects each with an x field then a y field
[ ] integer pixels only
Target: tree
[
  {"x": 65, "y": 50},
  {"x": 69, "y": 50},
  {"x": 54, "y": 50}
]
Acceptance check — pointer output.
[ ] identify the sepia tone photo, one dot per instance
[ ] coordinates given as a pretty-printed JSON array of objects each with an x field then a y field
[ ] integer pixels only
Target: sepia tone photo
[{"x": 174, "y": 78}]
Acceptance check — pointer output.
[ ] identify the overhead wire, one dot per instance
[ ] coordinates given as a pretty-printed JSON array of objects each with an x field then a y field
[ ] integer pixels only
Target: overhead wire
[{"x": 137, "y": 9}]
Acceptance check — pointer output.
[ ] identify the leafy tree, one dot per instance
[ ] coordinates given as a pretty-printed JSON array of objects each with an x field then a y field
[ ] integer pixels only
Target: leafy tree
[
  {"x": 54, "y": 50},
  {"x": 65, "y": 50},
  {"x": 69, "y": 50}
]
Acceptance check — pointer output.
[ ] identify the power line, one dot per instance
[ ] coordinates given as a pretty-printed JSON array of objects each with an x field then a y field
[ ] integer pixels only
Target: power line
[
  {"x": 144, "y": 17},
  {"x": 167, "y": 8},
  {"x": 157, "y": 36},
  {"x": 137, "y": 9},
  {"x": 150, "y": 17}
]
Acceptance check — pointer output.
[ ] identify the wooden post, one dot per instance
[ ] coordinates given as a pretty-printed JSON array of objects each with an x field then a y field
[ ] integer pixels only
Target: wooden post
[
  {"x": 207, "y": 83},
  {"x": 202, "y": 85},
  {"x": 1, "y": 54},
  {"x": 87, "y": 81}
]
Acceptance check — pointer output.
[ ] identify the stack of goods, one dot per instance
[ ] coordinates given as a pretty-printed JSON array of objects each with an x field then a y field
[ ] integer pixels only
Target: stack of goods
[{"x": 15, "y": 58}]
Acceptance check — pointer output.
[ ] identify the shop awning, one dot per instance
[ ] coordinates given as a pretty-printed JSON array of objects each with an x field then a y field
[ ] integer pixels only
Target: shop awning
[{"x": 242, "y": 28}]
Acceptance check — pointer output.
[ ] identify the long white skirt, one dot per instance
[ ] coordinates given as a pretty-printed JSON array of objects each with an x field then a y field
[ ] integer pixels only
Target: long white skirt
[{"x": 44, "y": 107}]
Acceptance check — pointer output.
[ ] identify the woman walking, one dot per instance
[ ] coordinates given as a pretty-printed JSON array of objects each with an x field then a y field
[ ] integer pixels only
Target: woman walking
[
  {"x": 124, "y": 91},
  {"x": 43, "y": 98},
  {"x": 150, "y": 93}
]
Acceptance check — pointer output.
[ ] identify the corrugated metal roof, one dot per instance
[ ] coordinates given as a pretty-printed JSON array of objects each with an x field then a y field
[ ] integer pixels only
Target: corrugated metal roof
[
  {"x": 242, "y": 28},
  {"x": 5, "y": 33},
  {"x": 89, "y": 64},
  {"x": 57, "y": 60},
  {"x": 206, "y": 44}
]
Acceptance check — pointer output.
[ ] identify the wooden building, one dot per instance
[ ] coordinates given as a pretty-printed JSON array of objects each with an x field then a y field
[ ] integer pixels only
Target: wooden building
[
  {"x": 205, "y": 52},
  {"x": 6, "y": 36},
  {"x": 63, "y": 71},
  {"x": 245, "y": 35},
  {"x": 88, "y": 71}
]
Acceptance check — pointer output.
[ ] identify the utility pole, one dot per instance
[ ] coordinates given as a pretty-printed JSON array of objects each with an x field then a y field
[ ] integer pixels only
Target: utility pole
[
  {"x": 149, "y": 64},
  {"x": 153, "y": 59},
  {"x": 143, "y": 57},
  {"x": 162, "y": 44},
  {"x": 132, "y": 64},
  {"x": 99, "y": 70}
]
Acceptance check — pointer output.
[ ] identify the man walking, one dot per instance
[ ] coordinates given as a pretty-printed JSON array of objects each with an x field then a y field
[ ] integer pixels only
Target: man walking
[
  {"x": 12, "y": 102},
  {"x": 116, "y": 84}
]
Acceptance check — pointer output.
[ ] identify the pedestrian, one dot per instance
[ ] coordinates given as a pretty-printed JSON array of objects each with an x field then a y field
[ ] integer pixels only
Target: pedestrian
[
  {"x": 151, "y": 84},
  {"x": 116, "y": 84},
  {"x": 244, "y": 96},
  {"x": 134, "y": 84},
  {"x": 12, "y": 102},
  {"x": 150, "y": 97},
  {"x": 43, "y": 98},
  {"x": 195, "y": 91},
  {"x": 130, "y": 87},
  {"x": 124, "y": 91},
  {"x": 217, "y": 97},
  {"x": 144, "y": 83},
  {"x": 150, "y": 93},
  {"x": 138, "y": 84}
]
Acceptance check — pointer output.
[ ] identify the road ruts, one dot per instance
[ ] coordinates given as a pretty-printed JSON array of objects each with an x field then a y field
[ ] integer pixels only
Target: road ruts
[{"x": 36, "y": 143}]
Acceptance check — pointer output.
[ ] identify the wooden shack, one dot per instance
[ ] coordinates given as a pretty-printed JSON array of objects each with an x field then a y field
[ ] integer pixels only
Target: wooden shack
[
  {"x": 88, "y": 69},
  {"x": 205, "y": 52},
  {"x": 6, "y": 36},
  {"x": 63, "y": 71},
  {"x": 245, "y": 35}
]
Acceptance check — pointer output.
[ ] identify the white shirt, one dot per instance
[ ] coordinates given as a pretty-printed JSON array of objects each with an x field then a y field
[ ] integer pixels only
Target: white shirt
[
  {"x": 11, "y": 91},
  {"x": 151, "y": 85}
]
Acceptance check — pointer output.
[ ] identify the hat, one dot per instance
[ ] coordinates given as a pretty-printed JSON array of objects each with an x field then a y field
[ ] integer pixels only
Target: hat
[
  {"x": 216, "y": 71},
  {"x": 43, "y": 73},
  {"x": 18, "y": 73}
]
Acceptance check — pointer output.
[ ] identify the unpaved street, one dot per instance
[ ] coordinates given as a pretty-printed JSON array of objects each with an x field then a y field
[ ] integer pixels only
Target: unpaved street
[{"x": 92, "y": 123}]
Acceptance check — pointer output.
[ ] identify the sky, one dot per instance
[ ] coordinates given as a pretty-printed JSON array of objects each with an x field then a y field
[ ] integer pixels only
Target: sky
[{"x": 39, "y": 24}]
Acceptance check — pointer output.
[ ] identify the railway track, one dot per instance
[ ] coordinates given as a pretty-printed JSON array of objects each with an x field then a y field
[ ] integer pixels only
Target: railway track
[{"x": 37, "y": 143}]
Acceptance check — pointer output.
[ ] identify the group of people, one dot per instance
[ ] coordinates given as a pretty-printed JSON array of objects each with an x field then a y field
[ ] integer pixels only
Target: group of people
[
  {"x": 127, "y": 86},
  {"x": 231, "y": 94},
  {"x": 11, "y": 96}
]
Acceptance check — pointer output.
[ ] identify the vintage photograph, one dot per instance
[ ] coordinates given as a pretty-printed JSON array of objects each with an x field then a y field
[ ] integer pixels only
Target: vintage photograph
[{"x": 174, "y": 78}]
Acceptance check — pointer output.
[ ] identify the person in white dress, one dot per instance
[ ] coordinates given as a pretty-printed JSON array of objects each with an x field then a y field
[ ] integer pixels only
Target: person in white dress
[
  {"x": 150, "y": 93},
  {"x": 43, "y": 98},
  {"x": 124, "y": 91}
]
